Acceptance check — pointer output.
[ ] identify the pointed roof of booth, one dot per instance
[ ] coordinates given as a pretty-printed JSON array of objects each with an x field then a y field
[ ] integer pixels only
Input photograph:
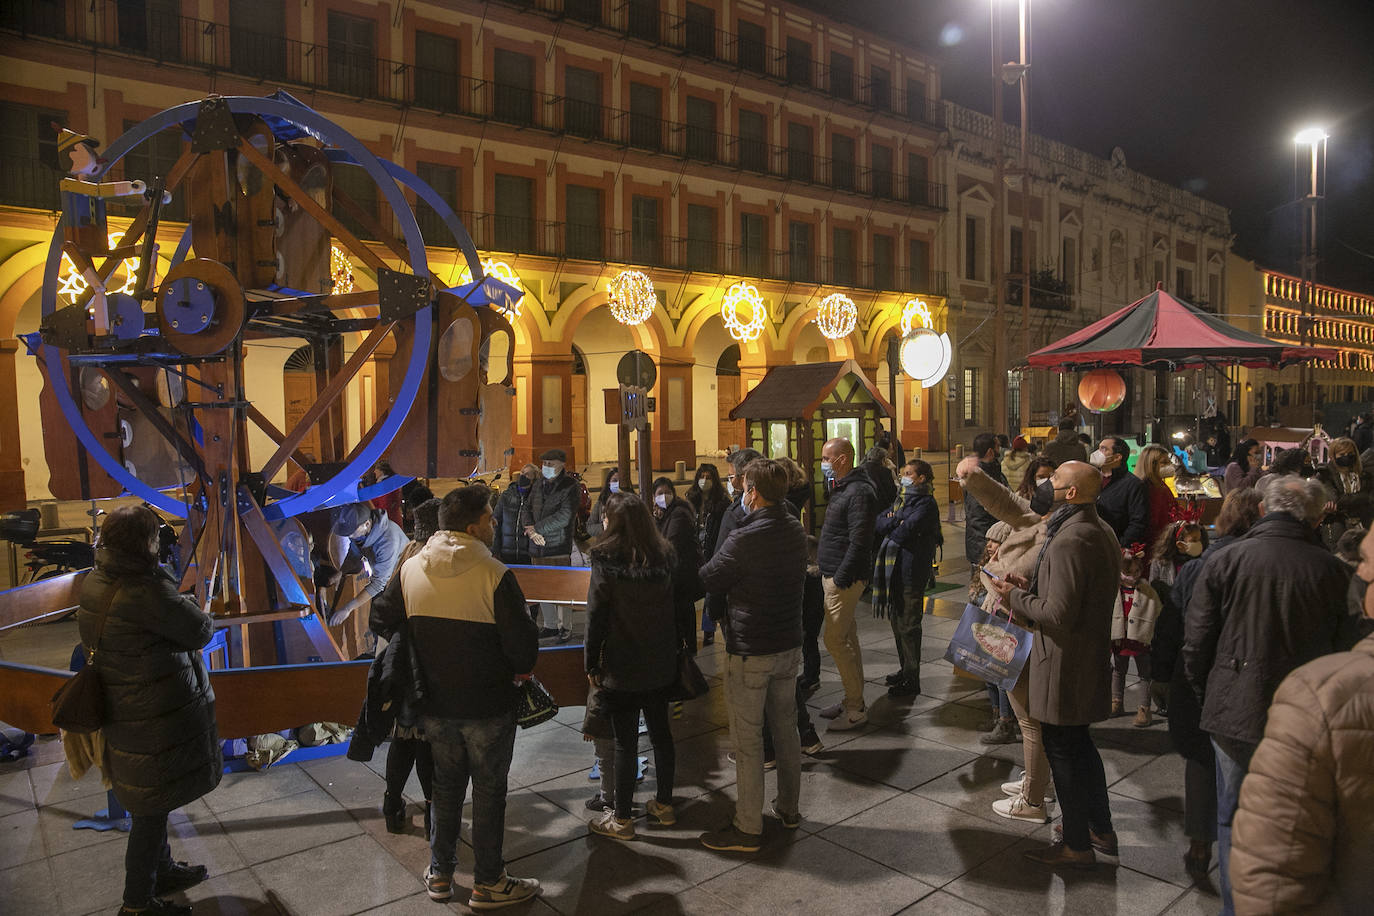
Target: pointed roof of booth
[{"x": 796, "y": 392}]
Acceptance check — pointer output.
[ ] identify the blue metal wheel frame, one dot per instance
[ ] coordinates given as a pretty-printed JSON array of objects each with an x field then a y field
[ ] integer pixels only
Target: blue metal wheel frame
[{"x": 386, "y": 175}]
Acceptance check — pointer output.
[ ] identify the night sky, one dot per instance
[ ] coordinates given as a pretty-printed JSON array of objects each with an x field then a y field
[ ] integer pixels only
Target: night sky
[{"x": 1204, "y": 94}]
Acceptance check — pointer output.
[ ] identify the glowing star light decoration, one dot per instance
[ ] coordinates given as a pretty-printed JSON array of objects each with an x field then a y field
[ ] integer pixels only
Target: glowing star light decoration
[
  {"x": 925, "y": 355},
  {"x": 735, "y": 296},
  {"x": 340, "y": 270},
  {"x": 632, "y": 297},
  {"x": 915, "y": 314},
  {"x": 73, "y": 284},
  {"x": 837, "y": 316},
  {"x": 501, "y": 271}
]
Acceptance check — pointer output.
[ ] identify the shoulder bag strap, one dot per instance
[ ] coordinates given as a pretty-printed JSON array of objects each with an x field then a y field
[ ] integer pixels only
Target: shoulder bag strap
[{"x": 100, "y": 623}]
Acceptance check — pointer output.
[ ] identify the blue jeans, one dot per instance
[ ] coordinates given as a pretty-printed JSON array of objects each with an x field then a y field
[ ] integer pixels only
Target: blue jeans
[
  {"x": 1230, "y": 774},
  {"x": 480, "y": 749},
  {"x": 753, "y": 684}
]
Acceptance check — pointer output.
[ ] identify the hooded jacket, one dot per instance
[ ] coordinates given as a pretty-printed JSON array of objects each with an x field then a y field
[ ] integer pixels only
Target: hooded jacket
[
  {"x": 1065, "y": 447},
  {"x": 1270, "y": 601},
  {"x": 846, "y": 548},
  {"x": 471, "y": 632},
  {"x": 1014, "y": 468},
  {"x": 761, "y": 569},
  {"x": 159, "y": 719}
]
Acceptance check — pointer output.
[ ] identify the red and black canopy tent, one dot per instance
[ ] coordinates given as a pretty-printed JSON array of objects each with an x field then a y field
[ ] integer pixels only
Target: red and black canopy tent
[{"x": 1164, "y": 333}]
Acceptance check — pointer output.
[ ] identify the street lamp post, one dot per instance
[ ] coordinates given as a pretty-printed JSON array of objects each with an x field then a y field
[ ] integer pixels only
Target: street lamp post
[{"x": 1315, "y": 139}]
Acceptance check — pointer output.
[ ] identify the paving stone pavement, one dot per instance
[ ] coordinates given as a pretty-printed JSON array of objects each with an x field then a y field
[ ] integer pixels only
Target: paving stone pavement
[{"x": 896, "y": 818}]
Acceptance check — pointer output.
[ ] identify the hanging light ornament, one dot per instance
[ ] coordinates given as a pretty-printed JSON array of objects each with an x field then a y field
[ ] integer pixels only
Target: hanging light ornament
[
  {"x": 735, "y": 296},
  {"x": 925, "y": 355},
  {"x": 632, "y": 297},
  {"x": 340, "y": 270},
  {"x": 837, "y": 316},
  {"x": 915, "y": 314},
  {"x": 501, "y": 271}
]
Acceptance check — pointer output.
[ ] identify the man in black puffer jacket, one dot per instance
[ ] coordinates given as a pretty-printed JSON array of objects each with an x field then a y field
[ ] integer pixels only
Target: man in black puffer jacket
[
  {"x": 734, "y": 514},
  {"x": 761, "y": 569},
  {"x": 162, "y": 746},
  {"x": 846, "y": 561}
]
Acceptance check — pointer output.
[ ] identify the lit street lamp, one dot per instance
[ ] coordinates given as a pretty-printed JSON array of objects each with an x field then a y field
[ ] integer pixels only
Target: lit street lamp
[{"x": 1315, "y": 138}]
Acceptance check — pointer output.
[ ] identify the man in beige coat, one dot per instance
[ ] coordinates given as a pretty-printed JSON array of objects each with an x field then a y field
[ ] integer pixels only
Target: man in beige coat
[
  {"x": 1070, "y": 598},
  {"x": 1303, "y": 835}
]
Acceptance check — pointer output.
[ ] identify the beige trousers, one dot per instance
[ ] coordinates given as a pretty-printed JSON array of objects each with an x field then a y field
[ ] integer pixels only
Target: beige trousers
[{"x": 842, "y": 639}]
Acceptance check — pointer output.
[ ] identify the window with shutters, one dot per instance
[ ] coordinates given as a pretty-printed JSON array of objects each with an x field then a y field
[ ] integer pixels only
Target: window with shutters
[
  {"x": 646, "y": 238},
  {"x": 917, "y": 179},
  {"x": 586, "y": 11},
  {"x": 35, "y": 17},
  {"x": 842, "y": 256},
  {"x": 973, "y": 396},
  {"x": 28, "y": 154},
  {"x": 358, "y": 186},
  {"x": 801, "y": 152},
  {"x": 753, "y": 141},
  {"x": 514, "y": 212},
  {"x": 700, "y": 23},
  {"x": 884, "y": 263},
  {"x": 151, "y": 27},
  {"x": 918, "y": 266},
  {"x": 701, "y": 237},
  {"x": 514, "y": 89},
  {"x": 880, "y": 88},
  {"x": 800, "y": 252},
  {"x": 753, "y": 239},
  {"x": 842, "y": 162},
  {"x": 443, "y": 179},
  {"x": 257, "y": 38},
  {"x": 751, "y": 44},
  {"x": 841, "y": 75},
  {"x": 352, "y": 55},
  {"x": 798, "y": 62},
  {"x": 646, "y": 116},
  {"x": 582, "y": 112},
  {"x": 881, "y": 183},
  {"x": 701, "y": 129},
  {"x": 583, "y": 210},
  {"x": 644, "y": 19},
  {"x": 436, "y": 71},
  {"x": 915, "y": 99}
]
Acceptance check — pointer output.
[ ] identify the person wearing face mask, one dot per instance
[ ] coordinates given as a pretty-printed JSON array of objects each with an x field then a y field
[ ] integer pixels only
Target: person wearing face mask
[
  {"x": 379, "y": 540},
  {"x": 473, "y": 640},
  {"x": 908, "y": 535},
  {"x": 1069, "y": 599},
  {"x": 1263, "y": 605},
  {"x": 1245, "y": 466},
  {"x": 677, "y": 523},
  {"x": 512, "y": 544},
  {"x": 709, "y": 502},
  {"x": 846, "y": 561},
  {"x": 1152, "y": 465},
  {"x": 1350, "y": 492},
  {"x": 1124, "y": 503},
  {"x": 610, "y": 485},
  {"x": 548, "y": 519},
  {"x": 733, "y": 515},
  {"x": 1025, "y": 514},
  {"x": 1302, "y": 839},
  {"x": 977, "y": 518}
]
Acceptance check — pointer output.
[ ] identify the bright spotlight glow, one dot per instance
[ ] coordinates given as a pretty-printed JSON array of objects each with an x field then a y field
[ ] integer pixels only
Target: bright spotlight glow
[
  {"x": 1310, "y": 137},
  {"x": 951, "y": 35}
]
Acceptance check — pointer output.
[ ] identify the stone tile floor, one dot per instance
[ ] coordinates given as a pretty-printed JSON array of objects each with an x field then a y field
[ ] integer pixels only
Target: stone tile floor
[{"x": 897, "y": 818}]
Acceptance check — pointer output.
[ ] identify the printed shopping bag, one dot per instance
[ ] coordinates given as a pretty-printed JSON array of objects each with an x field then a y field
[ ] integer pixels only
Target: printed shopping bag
[{"x": 989, "y": 647}]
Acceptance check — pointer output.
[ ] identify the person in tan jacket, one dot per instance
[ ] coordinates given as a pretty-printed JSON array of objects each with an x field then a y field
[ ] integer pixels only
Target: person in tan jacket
[{"x": 1303, "y": 835}]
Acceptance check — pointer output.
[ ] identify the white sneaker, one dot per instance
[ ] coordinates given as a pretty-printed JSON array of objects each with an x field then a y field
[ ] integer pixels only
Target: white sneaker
[
  {"x": 607, "y": 824},
  {"x": 848, "y": 721},
  {"x": 506, "y": 891},
  {"x": 1013, "y": 789},
  {"x": 1018, "y": 809}
]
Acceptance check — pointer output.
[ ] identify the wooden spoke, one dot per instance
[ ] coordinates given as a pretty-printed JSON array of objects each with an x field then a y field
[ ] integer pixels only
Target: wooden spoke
[
  {"x": 307, "y": 203},
  {"x": 184, "y": 448},
  {"x": 291, "y": 442},
  {"x": 276, "y": 435}
]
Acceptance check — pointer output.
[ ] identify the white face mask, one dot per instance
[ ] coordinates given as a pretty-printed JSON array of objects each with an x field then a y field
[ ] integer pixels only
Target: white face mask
[
  {"x": 661, "y": 500},
  {"x": 549, "y": 472},
  {"x": 730, "y": 487},
  {"x": 1097, "y": 459},
  {"x": 614, "y": 486},
  {"x": 704, "y": 483},
  {"x": 1191, "y": 548}
]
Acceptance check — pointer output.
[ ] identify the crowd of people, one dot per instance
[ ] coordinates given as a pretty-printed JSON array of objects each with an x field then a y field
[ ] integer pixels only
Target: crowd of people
[{"x": 1251, "y": 635}]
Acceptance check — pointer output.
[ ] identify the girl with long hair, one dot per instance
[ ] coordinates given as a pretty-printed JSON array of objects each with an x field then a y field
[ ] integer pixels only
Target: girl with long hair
[
  {"x": 631, "y": 653},
  {"x": 1244, "y": 468},
  {"x": 1151, "y": 466}
]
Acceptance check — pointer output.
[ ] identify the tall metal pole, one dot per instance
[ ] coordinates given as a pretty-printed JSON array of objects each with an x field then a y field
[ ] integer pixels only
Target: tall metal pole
[
  {"x": 1024, "y": 166},
  {"x": 998, "y": 386},
  {"x": 1308, "y": 387}
]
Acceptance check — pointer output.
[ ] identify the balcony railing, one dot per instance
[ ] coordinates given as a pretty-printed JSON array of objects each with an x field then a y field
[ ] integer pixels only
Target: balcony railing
[
  {"x": 173, "y": 38},
  {"x": 29, "y": 183}
]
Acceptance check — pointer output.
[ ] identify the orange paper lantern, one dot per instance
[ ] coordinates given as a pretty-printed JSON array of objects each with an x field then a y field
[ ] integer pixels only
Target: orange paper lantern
[{"x": 1102, "y": 390}]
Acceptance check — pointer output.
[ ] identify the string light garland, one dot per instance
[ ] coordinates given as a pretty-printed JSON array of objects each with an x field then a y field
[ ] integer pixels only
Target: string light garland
[
  {"x": 72, "y": 285},
  {"x": 632, "y": 297},
  {"x": 916, "y": 310},
  {"x": 501, "y": 271},
  {"x": 340, "y": 270},
  {"x": 735, "y": 296},
  {"x": 837, "y": 316}
]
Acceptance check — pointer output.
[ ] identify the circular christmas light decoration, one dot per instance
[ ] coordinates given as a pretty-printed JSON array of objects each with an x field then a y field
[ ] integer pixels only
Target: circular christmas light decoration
[
  {"x": 501, "y": 271},
  {"x": 837, "y": 316},
  {"x": 925, "y": 355},
  {"x": 916, "y": 314},
  {"x": 632, "y": 297},
  {"x": 73, "y": 284},
  {"x": 735, "y": 296},
  {"x": 340, "y": 270}
]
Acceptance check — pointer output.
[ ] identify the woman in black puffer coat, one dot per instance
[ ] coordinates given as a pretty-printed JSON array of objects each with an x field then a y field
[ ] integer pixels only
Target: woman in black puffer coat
[
  {"x": 677, "y": 523},
  {"x": 162, "y": 746}
]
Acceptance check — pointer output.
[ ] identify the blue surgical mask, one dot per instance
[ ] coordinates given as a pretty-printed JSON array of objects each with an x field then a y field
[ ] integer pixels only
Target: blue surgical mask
[
  {"x": 661, "y": 500},
  {"x": 827, "y": 469},
  {"x": 908, "y": 481},
  {"x": 549, "y": 472},
  {"x": 614, "y": 486}
]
